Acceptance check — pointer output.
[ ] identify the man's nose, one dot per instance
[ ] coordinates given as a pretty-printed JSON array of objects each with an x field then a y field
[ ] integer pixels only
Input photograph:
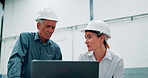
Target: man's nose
[{"x": 50, "y": 29}]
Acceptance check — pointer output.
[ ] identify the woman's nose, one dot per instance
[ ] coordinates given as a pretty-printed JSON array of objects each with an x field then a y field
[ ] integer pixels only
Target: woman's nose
[{"x": 86, "y": 42}]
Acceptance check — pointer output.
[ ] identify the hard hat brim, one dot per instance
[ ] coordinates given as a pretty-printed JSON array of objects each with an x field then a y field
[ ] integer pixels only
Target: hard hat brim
[
  {"x": 109, "y": 36},
  {"x": 37, "y": 20},
  {"x": 89, "y": 29}
]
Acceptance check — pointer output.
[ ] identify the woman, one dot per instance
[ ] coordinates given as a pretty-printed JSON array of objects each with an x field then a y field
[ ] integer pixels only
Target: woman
[{"x": 110, "y": 63}]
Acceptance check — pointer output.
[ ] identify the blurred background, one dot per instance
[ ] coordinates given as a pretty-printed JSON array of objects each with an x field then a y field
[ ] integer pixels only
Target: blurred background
[{"x": 128, "y": 20}]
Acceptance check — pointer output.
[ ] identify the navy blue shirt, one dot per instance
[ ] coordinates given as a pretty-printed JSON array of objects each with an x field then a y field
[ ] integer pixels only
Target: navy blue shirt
[{"x": 27, "y": 48}]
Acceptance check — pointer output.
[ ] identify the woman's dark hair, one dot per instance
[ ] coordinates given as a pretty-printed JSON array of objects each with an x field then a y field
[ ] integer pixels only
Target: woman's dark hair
[
  {"x": 99, "y": 34},
  {"x": 93, "y": 31}
]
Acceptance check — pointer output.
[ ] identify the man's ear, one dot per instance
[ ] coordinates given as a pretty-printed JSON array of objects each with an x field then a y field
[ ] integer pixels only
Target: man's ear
[{"x": 38, "y": 25}]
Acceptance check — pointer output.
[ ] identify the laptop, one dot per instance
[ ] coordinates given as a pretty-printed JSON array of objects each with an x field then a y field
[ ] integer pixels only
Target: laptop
[{"x": 64, "y": 69}]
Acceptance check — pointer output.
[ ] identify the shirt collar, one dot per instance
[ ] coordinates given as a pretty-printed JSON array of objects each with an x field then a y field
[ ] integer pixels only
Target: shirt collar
[
  {"x": 36, "y": 37},
  {"x": 107, "y": 55},
  {"x": 90, "y": 53}
]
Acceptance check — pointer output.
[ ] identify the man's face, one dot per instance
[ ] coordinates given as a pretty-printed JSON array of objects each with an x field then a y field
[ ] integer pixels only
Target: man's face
[{"x": 46, "y": 29}]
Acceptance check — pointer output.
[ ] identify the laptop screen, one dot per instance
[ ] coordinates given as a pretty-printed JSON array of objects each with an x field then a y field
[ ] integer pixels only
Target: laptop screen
[{"x": 64, "y": 69}]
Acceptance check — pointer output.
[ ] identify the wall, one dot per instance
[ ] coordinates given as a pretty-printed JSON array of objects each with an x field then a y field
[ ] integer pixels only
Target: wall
[
  {"x": 21, "y": 14},
  {"x": 0, "y": 27},
  {"x": 129, "y": 38},
  {"x": 110, "y": 9},
  {"x": 7, "y": 47},
  {"x": 71, "y": 41}
]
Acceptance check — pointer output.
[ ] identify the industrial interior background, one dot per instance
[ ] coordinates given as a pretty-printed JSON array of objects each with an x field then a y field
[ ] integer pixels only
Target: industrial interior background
[{"x": 128, "y": 20}]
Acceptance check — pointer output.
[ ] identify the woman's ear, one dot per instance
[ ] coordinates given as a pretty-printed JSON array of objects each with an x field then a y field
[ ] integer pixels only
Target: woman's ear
[{"x": 102, "y": 38}]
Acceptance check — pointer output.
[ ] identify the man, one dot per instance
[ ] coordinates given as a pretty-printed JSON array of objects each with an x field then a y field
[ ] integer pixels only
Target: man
[{"x": 34, "y": 46}]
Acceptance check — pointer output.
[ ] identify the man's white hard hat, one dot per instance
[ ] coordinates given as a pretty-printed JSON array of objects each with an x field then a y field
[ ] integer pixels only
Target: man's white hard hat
[
  {"x": 98, "y": 25},
  {"x": 46, "y": 13}
]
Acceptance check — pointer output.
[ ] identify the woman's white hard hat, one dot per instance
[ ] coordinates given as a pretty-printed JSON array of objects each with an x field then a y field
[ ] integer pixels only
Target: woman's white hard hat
[
  {"x": 46, "y": 13},
  {"x": 98, "y": 25}
]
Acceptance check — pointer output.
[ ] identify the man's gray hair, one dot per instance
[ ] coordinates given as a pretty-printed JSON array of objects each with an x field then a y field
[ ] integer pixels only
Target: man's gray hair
[{"x": 40, "y": 20}]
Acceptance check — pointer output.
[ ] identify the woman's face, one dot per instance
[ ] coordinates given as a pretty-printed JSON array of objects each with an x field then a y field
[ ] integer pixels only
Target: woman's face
[{"x": 92, "y": 41}]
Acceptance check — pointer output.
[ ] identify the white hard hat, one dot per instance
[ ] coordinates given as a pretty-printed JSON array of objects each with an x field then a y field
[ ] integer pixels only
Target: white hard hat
[
  {"x": 46, "y": 13},
  {"x": 97, "y": 25}
]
